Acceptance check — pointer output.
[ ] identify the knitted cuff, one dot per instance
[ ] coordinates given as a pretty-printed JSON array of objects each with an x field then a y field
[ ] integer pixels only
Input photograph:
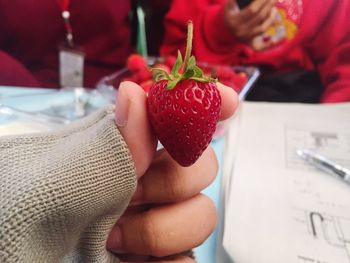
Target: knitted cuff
[{"x": 62, "y": 191}]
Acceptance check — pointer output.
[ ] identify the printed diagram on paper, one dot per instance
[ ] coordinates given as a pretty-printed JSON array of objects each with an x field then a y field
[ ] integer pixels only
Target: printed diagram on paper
[
  {"x": 335, "y": 145},
  {"x": 327, "y": 225},
  {"x": 324, "y": 230},
  {"x": 285, "y": 209}
]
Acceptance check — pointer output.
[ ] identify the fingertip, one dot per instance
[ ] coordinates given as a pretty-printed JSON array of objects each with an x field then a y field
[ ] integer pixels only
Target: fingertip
[
  {"x": 211, "y": 171},
  {"x": 130, "y": 88},
  {"x": 229, "y": 102}
]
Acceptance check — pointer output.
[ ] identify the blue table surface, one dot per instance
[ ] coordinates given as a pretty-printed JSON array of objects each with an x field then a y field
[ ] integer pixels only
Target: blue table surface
[
  {"x": 206, "y": 252},
  {"x": 9, "y": 91}
]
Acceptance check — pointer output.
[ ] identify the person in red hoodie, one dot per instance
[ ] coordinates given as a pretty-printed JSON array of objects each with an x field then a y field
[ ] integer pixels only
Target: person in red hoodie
[
  {"x": 309, "y": 63},
  {"x": 33, "y": 32}
]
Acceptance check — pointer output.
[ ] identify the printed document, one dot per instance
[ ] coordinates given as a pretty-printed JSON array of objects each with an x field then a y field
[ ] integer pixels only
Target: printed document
[{"x": 278, "y": 208}]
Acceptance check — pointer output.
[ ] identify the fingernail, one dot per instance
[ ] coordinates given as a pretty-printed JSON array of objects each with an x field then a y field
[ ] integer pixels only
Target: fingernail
[{"x": 122, "y": 107}]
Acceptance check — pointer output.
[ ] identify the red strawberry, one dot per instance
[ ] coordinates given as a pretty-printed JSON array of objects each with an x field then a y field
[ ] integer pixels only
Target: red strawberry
[
  {"x": 146, "y": 85},
  {"x": 136, "y": 62},
  {"x": 159, "y": 69},
  {"x": 225, "y": 72},
  {"x": 185, "y": 117},
  {"x": 144, "y": 74},
  {"x": 184, "y": 109},
  {"x": 170, "y": 61},
  {"x": 164, "y": 67},
  {"x": 240, "y": 80}
]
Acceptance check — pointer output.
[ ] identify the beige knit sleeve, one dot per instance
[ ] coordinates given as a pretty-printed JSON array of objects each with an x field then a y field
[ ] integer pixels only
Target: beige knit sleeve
[{"x": 62, "y": 191}]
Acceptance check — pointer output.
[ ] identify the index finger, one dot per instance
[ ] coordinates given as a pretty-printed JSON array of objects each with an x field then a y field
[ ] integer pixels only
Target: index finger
[{"x": 253, "y": 9}]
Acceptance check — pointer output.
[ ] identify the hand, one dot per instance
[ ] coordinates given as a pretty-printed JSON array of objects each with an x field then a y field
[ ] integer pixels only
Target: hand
[
  {"x": 167, "y": 215},
  {"x": 251, "y": 21}
]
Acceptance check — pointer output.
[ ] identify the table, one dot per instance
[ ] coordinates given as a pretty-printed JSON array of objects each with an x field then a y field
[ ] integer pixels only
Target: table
[{"x": 206, "y": 253}]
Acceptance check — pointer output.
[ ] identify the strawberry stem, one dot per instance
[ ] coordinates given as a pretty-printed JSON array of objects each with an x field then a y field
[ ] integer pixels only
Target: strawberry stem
[
  {"x": 190, "y": 68},
  {"x": 188, "y": 45}
]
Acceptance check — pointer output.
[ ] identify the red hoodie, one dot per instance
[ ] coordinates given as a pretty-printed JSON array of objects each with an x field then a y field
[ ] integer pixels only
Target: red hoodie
[
  {"x": 32, "y": 30},
  {"x": 322, "y": 41}
]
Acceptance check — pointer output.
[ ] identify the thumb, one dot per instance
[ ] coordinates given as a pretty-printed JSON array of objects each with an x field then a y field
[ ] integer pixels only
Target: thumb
[{"x": 132, "y": 122}]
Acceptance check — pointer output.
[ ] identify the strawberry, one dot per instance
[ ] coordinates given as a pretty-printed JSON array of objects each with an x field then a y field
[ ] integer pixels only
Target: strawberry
[
  {"x": 144, "y": 74},
  {"x": 170, "y": 61},
  {"x": 184, "y": 108},
  {"x": 159, "y": 69},
  {"x": 136, "y": 62},
  {"x": 146, "y": 85},
  {"x": 162, "y": 66},
  {"x": 225, "y": 72},
  {"x": 240, "y": 80}
]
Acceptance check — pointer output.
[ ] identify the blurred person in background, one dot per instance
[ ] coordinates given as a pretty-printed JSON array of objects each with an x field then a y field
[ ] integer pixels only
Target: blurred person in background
[
  {"x": 302, "y": 47},
  {"x": 53, "y": 43}
]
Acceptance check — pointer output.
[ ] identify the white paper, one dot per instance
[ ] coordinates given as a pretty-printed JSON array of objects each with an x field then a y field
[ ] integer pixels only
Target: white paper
[{"x": 279, "y": 209}]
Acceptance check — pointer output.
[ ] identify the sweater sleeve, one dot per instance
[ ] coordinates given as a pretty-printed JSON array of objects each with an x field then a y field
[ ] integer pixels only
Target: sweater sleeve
[
  {"x": 62, "y": 191},
  {"x": 212, "y": 40},
  {"x": 330, "y": 48}
]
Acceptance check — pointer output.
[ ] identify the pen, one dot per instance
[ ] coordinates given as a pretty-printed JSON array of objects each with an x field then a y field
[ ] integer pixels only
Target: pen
[{"x": 325, "y": 164}]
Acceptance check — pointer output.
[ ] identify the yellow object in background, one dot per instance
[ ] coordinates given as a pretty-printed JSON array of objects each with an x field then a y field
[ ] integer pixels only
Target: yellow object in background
[
  {"x": 283, "y": 28},
  {"x": 290, "y": 27}
]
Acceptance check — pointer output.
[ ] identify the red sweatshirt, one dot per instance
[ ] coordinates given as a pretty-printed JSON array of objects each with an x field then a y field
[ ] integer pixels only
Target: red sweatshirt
[
  {"x": 31, "y": 32},
  {"x": 322, "y": 41}
]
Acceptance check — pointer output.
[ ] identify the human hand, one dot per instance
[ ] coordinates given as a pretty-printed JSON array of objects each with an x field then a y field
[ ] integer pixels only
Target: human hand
[
  {"x": 252, "y": 20},
  {"x": 167, "y": 215}
]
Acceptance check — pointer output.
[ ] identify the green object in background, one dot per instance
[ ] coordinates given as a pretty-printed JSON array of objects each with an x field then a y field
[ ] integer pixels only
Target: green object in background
[{"x": 141, "y": 44}]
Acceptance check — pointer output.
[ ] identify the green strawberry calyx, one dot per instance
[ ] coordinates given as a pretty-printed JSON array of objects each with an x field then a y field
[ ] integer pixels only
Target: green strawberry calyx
[{"x": 190, "y": 70}]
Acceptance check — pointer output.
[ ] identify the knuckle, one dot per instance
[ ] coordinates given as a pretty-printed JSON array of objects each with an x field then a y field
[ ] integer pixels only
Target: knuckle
[
  {"x": 188, "y": 260},
  {"x": 176, "y": 186},
  {"x": 259, "y": 30},
  {"x": 205, "y": 222},
  {"x": 263, "y": 28},
  {"x": 260, "y": 18},
  {"x": 252, "y": 10},
  {"x": 209, "y": 203},
  {"x": 266, "y": 25},
  {"x": 151, "y": 236},
  {"x": 210, "y": 213},
  {"x": 240, "y": 34},
  {"x": 215, "y": 162},
  {"x": 208, "y": 163}
]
